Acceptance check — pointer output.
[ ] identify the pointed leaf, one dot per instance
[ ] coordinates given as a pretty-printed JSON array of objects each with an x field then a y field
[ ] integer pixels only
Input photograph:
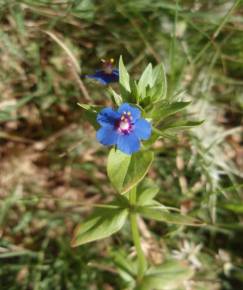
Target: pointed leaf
[
  {"x": 163, "y": 110},
  {"x": 90, "y": 113},
  {"x": 146, "y": 193},
  {"x": 101, "y": 224},
  {"x": 158, "y": 212},
  {"x": 126, "y": 171},
  {"x": 134, "y": 97},
  {"x": 145, "y": 80},
  {"x": 124, "y": 264},
  {"x": 123, "y": 76},
  {"x": 177, "y": 125},
  {"x": 158, "y": 90},
  {"x": 116, "y": 97},
  {"x": 169, "y": 275},
  {"x": 235, "y": 207}
]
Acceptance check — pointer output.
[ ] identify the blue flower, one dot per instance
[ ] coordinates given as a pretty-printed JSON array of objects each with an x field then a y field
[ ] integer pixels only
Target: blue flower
[
  {"x": 123, "y": 128},
  {"x": 105, "y": 78},
  {"x": 107, "y": 74}
]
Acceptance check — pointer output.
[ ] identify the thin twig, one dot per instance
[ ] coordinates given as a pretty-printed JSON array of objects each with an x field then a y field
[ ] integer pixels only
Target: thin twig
[
  {"x": 73, "y": 64},
  {"x": 78, "y": 80}
]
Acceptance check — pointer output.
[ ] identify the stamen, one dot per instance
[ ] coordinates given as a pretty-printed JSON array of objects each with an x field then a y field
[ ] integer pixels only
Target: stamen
[{"x": 124, "y": 125}]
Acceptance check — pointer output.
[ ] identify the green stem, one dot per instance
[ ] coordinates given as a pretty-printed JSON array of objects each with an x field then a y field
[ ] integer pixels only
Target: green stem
[{"x": 142, "y": 263}]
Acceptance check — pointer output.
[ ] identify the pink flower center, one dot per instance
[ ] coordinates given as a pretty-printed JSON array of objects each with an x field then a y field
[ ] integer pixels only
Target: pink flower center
[{"x": 124, "y": 125}]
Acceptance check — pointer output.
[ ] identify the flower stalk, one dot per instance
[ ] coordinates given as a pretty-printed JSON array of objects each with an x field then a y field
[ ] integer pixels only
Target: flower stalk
[{"x": 142, "y": 263}]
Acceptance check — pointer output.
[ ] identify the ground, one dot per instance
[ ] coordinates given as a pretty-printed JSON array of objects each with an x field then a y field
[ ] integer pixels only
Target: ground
[{"x": 52, "y": 169}]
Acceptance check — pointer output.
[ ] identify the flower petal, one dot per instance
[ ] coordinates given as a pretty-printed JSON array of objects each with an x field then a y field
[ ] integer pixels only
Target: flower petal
[
  {"x": 98, "y": 78},
  {"x": 107, "y": 136},
  {"x": 108, "y": 117},
  {"x": 142, "y": 129},
  {"x": 128, "y": 143},
  {"x": 115, "y": 72},
  {"x": 135, "y": 112},
  {"x": 105, "y": 78}
]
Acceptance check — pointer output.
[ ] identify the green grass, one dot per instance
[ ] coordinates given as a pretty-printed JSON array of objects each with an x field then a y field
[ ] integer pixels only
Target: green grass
[{"x": 52, "y": 169}]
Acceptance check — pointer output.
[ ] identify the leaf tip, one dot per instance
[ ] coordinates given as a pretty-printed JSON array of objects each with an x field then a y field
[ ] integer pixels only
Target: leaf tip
[{"x": 74, "y": 242}]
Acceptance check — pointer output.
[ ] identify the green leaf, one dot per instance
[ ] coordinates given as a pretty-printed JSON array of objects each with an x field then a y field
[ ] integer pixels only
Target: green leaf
[
  {"x": 169, "y": 275},
  {"x": 90, "y": 114},
  {"x": 134, "y": 96},
  {"x": 125, "y": 265},
  {"x": 178, "y": 125},
  {"x": 163, "y": 110},
  {"x": 157, "y": 133},
  {"x": 91, "y": 107},
  {"x": 146, "y": 192},
  {"x": 154, "y": 136},
  {"x": 116, "y": 97},
  {"x": 159, "y": 212},
  {"x": 145, "y": 80},
  {"x": 126, "y": 171},
  {"x": 101, "y": 224},
  {"x": 158, "y": 89},
  {"x": 235, "y": 207},
  {"x": 123, "y": 76},
  {"x": 231, "y": 226}
]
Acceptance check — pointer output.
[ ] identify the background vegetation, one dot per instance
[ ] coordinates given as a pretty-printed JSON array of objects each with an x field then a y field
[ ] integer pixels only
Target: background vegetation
[{"x": 52, "y": 169}]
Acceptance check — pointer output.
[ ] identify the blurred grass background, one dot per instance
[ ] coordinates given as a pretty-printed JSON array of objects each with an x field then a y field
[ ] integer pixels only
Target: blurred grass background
[{"x": 52, "y": 169}]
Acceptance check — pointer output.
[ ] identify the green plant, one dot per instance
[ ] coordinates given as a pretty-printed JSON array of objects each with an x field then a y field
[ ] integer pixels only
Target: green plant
[{"x": 127, "y": 170}]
